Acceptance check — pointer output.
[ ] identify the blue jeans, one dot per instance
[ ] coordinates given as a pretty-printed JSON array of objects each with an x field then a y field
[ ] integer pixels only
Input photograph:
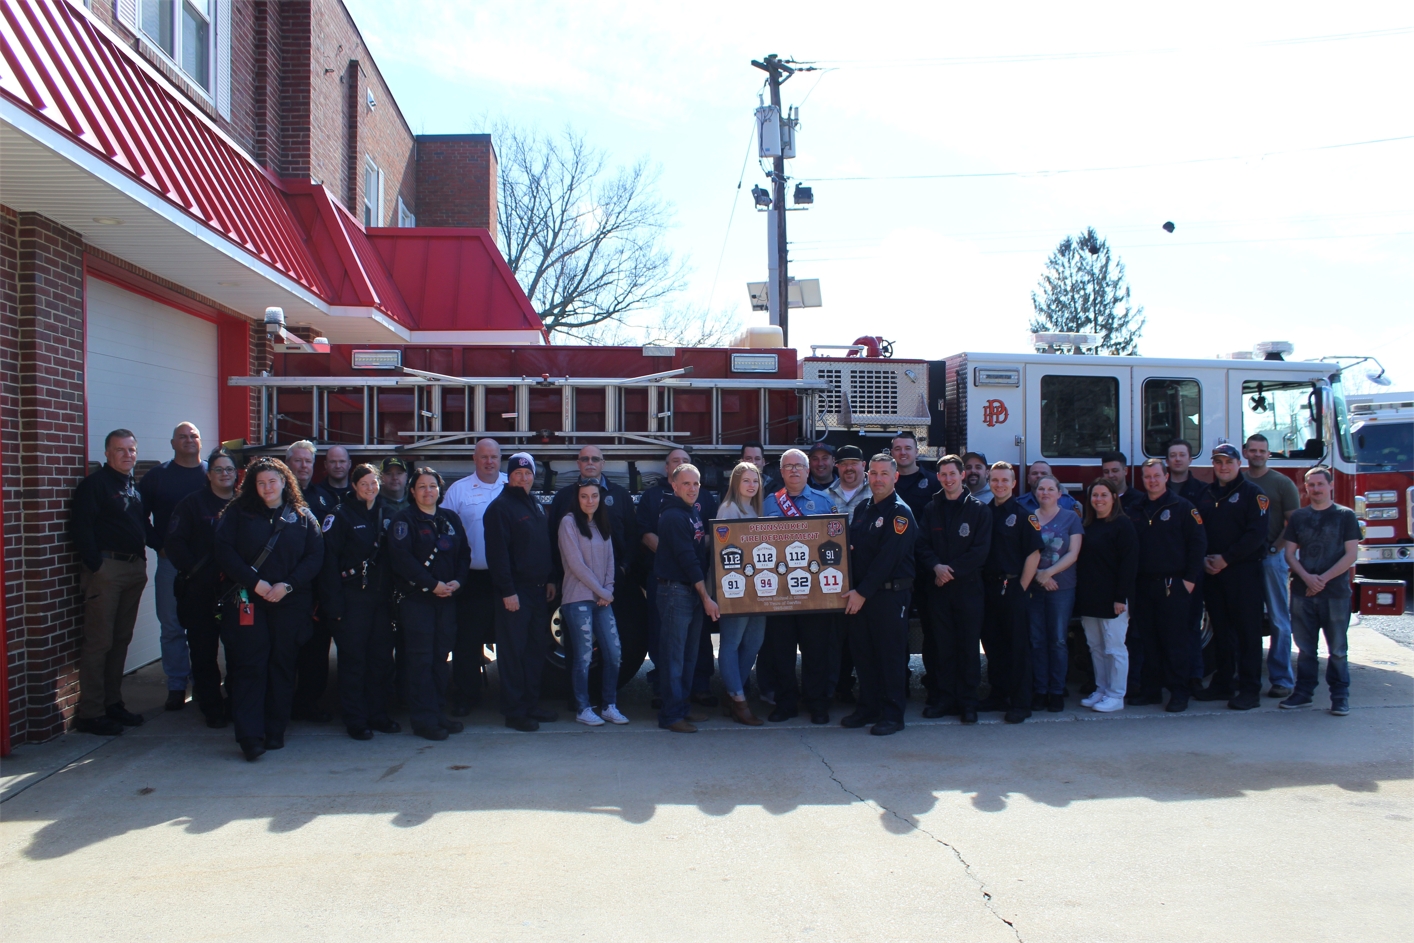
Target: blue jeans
[
  {"x": 1050, "y": 615},
  {"x": 176, "y": 660},
  {"x": 1275, "y": 575},
  {"x": 679, "y": 628},
  {"x": 584, "y": 622},
  {"x": 741, "y": 638},
  {"x": 1310, "y": 616}
]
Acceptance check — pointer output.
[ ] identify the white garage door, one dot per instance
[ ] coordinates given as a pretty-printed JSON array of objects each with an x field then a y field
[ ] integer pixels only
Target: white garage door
[{"x": 150, "y": 367}]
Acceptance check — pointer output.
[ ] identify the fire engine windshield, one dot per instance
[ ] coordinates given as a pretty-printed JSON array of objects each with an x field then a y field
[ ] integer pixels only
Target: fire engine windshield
[
  {"x": 1343, "y": 434},
  {"x": 1288, "y": 413}
]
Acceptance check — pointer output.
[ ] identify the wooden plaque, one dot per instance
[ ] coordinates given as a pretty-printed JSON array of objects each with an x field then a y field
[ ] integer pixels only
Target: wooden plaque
[{"x": 780, "y": 565}]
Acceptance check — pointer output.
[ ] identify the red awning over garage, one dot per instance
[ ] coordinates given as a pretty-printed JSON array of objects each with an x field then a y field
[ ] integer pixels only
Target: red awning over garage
[{"x": 95, "y": 139}]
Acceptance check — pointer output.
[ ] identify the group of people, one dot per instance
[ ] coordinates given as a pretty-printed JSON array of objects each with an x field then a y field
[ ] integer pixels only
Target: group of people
[{"x": 401, "y": 572}]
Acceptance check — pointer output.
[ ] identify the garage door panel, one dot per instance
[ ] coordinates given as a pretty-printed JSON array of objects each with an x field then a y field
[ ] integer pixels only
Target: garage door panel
[{"x": 150, "y": 367}]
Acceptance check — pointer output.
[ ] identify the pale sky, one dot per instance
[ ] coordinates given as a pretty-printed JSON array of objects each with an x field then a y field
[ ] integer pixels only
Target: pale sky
[{"x": 1230, "y": 109}]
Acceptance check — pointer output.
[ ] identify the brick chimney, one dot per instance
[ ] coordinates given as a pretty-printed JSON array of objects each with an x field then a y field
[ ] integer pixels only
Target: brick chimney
[{"x": 456, "y": 181}]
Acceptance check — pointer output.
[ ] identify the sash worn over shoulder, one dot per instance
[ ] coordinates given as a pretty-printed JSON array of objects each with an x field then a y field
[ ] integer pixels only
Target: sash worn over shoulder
[{"x": 787, "y": 506}]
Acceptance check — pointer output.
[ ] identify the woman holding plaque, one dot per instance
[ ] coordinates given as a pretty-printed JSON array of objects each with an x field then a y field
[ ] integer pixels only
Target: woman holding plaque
[{"x": 741, "y": 636}]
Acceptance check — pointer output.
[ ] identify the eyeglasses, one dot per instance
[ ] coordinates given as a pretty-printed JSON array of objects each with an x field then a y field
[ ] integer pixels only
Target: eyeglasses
[
  {"x": 595, "y": 460},
  {"x": 223, "y": 471},
  {"x": 795, "y": 466}
]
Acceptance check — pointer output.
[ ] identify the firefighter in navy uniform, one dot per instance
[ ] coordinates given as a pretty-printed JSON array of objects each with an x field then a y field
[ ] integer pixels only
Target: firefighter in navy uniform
[
  {"x": 1011, "y": 564},
  {"x": 956, "y": 535},
  {"x": 916, "y": 487},
  {"x": 518, "y": 556},
  {"x": 1234, "y": 512},
  {"x": 312, "y": 668},
  {"x": 429, "y": 556},
  {"x": 354, "y": 600},
  {"x": 882, "y": 534},
  {"x": 268, "y": 545},
  {"x": 1172, "y": 543}
]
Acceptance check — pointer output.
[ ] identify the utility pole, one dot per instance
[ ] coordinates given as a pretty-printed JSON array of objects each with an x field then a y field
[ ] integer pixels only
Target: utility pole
[{"x": 778, "y": 72}]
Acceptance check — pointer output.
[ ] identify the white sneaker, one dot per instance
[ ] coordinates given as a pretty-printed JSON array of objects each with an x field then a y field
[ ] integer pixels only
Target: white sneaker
[
  {"x": 1093, "y": 699},
  {"x": 1109, "y": 705},
  {"x": 589, "y": 718},
  {"x": 612, "y": 715}
]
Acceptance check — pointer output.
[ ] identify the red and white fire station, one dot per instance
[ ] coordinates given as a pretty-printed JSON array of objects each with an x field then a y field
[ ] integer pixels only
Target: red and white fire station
[{"x": 212, "y": 211}]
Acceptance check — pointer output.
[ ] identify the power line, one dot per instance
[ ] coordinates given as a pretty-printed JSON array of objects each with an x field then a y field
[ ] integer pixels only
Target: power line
[
  {"x": 1092, "y": 170},
  {"x": 736, "y": 195}
]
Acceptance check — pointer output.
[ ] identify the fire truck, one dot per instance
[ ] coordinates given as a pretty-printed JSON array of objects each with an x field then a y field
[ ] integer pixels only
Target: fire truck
[
  {"x": 1061, "y": 403},
  {"x": 1382, "y": 432}
]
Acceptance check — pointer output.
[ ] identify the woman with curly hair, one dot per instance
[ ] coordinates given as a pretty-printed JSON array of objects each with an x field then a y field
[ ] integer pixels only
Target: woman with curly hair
[{"x": 269, "y": 547}]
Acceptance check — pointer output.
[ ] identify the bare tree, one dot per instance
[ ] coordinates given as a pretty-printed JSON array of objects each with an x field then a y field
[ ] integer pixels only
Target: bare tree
[
  {"x": 585, "y": 242},
  {"x": 693, "y": 326},
  {"x": 1083, "y": 290}
]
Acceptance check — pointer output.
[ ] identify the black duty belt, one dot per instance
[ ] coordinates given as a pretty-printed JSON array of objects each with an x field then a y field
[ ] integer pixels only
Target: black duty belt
[
  {"x": 897, "y": 586},
  {"x": 1003, "y": 576},
  {"x": 124, "y": 557}
]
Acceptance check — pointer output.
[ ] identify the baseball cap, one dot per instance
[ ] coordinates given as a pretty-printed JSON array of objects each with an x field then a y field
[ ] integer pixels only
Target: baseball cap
[
  {"x": 520, "y": 460},
  {"x": 822, "y": 447},
  {"x": 846, "y": 452},
  {"x": 1228, "y": 451},
  {"x": 393, "y": 461}
]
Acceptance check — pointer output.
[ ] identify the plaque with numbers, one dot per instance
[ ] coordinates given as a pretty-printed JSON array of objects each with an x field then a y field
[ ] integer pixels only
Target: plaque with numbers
[{"x": 779, "y": 566}]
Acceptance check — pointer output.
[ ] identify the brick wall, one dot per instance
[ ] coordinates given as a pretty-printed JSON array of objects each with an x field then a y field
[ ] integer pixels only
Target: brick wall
[
  {"x": 44, "y": 439},
  {"x": 456, "y": 181}
]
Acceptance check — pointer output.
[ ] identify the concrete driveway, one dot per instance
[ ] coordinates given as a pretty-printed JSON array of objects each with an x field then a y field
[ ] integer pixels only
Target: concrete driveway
[{"x": 1210, "y": 825}]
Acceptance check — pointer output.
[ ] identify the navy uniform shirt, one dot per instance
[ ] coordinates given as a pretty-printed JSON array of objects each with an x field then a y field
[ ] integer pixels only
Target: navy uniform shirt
[
  {"x": 106, "y": 513},
  {"x": 190, "y": 540},
  {"x": 916, "y": 489},
  {"x": 1190, "y": 490},
  {"x": 427, "y": 549},
  {"x": 354, "y": 540},
  {"x": 682, "y": 543},
  {"x": 1235, "y": 517},
  {"x": 162, "y": 488},
  {"x": 882, "y": 537},
  {"x": 517, "y": 541},
  {"x": 650, "y": 505},
  {"x": 1172, "y": 541},
  {"x": 296, "y": 558},
  {"x": 955, "y": 533},
  {"x": 1016, "y": 534}
]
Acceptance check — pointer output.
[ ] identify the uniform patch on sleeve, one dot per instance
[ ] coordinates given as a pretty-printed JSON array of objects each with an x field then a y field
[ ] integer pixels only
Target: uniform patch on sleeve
[
  {"x": 400, "y": 530},
  {"x": 1196, "y": 516},
  {"x": 328, "y": 523},
  {"x": 901, "y": 525},
  {"x": 1263, "y": 502},
  {"x": 1034, "y": 522}
]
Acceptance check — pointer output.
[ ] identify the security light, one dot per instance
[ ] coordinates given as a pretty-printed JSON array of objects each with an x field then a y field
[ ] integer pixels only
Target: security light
[
  {"x": 803, "y": 195},
  {"x": 761, "y": 196}
]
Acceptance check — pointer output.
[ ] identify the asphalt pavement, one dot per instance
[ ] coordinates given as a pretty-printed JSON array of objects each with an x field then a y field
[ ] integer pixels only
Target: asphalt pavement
[{"x": 1209, "y": 825}]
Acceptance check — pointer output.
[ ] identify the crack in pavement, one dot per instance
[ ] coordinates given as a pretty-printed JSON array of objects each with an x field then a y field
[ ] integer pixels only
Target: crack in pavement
[{"x": 912, "y": 824}]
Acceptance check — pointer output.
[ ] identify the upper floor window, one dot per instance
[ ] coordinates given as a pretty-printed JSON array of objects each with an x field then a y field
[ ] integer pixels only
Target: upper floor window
[
  {"x": 1079, "y": 416},
  {"x": 405, "y": 217},
  {"x": 181, "y": 29},
  {"x": 372, "y": 194}
]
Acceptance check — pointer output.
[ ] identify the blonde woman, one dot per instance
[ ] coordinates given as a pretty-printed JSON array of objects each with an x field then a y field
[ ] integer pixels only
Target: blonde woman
[{"x": 741, "y": 636}]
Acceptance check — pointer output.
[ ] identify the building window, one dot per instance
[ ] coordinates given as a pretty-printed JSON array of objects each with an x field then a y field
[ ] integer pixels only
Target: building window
[
  {"x": 1287, "y": 413},
  {"x": 1173, "y": 409},
  {"x": 182, "y": 30},
  {"x": 372, "y": 194},
  {"x": 406, "y": 219},
  {"x": 1079, "y": 416}
]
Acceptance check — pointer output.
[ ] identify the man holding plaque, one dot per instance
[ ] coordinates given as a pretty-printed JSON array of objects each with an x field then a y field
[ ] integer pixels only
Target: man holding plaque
[
  {"x": 881, "y": 555},
  {"x": 817, "y": 634}
]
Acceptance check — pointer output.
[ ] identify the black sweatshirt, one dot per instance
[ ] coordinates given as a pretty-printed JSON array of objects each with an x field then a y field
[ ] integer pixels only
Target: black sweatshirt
[
  {"x": 682, "y": 543},
  {"x": 106, "y": 513},
  {"x": 956, "y": 534},
  {"x": 191, "y": 537},
  {"x": 1172, "y": 540},
  {"x": 517, "y": 541},
  {"x": 417, "y": 538},
  {"x": 1235, "y": 516},
  {"x": 354, "y": 534},
  {"x": 1109, "y": 560}
]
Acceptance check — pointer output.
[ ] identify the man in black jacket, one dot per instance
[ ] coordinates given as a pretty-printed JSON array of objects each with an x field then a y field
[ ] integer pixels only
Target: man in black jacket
[
  {"x": 956, "y": 536},
  {"x": 1011, "y": 564},
  {"x": 1172, "y": 542},
  {"x": 109, "y": 528},
  {"x": 312, "y": 667},
  {"x": 518, "y": 557},
  {"x": 882, "y": 536},
  {"x": 1234, "y": 512},
  {"x": 680, "y": 567}
]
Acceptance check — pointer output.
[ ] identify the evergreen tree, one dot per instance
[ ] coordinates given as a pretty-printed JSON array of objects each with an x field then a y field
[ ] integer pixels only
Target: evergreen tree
[{"x": 1083, "y": 290}]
